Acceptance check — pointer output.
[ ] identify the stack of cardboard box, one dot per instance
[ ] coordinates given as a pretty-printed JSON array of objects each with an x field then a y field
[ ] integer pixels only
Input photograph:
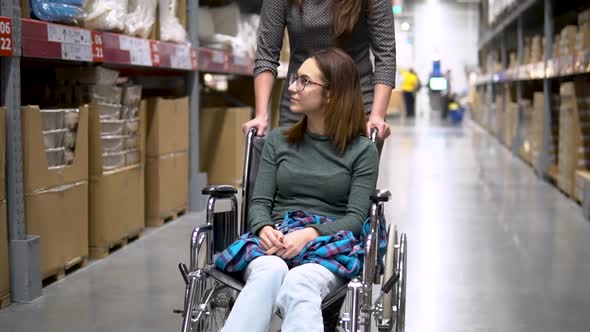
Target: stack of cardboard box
[
  {"x": 499, "y": 112},
  {"x": 56, "y": 185},
  {"x": 510, "y": 125},
  {"x": 167, "y": 159},
  {"x": 4, "y": 261},
  {"x": 116, "y": 172},
  {"x": 223, "y": 144},
  {"x": 574, "y": 133}
]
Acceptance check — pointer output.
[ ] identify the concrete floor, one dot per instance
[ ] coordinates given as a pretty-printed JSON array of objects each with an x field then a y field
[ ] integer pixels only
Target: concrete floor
[{"x": 491, "y": 248}]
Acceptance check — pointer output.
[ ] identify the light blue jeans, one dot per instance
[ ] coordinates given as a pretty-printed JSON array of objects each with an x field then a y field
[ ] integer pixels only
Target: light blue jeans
[{"x": 271, "y": 286}]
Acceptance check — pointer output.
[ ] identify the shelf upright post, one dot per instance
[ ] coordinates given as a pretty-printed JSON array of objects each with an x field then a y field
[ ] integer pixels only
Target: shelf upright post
[
  {"x": 542, "y": 165},
  {"x": 518, "y": 140},
  {"x": 197, "y": 180},
  {"x": 24, "y": 251}
]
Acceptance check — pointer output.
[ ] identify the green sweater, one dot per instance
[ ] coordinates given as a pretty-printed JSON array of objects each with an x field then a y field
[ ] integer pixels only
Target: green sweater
[{"x": 314, "y": 177}]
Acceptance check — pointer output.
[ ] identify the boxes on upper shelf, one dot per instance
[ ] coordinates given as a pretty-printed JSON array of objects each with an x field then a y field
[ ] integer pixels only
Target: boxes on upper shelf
[{"x": 567, "y": 40}]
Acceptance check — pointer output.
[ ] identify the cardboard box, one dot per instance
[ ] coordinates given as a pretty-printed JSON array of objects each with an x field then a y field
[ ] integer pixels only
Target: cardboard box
[
  {"x": 60, "y": 217},
  {"x": 4, "y": 265},
  {"x": 117, "y": 196},
  {"x": 167, "y": 126},
  {"x": 166, "y": 186},
  {"x": 116, "y": 206},
  {"x": 222, "y": 143},
  {"x": 37, "y": 175}
]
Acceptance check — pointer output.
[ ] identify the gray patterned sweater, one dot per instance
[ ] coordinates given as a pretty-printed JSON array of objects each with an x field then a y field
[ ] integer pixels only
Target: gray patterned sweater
[{"x": 311, "y": 30}]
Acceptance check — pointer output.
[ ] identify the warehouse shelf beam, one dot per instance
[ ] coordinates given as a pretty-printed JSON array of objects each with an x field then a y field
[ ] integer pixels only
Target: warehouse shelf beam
[
  {"x": 24, "y": 251},
  {"x": 500, "y": 27}
]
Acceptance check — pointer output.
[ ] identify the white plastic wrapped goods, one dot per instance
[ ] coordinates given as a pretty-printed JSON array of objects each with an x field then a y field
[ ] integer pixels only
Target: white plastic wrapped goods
[
  {"x": 141, "y": 17},
  {"x": 206, "y": 26},
  {"x": 109, "y": 15},
  {"x": 170, "y": 27},
  {"x": 226, "y": 19}
]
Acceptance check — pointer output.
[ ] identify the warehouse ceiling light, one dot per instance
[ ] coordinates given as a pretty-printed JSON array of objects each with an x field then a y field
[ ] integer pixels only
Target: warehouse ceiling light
[{"x": 405, "y": 26}]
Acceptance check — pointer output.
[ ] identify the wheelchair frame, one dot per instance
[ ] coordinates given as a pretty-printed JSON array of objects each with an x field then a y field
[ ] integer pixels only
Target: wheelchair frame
[{"x": 201, "y": 300}]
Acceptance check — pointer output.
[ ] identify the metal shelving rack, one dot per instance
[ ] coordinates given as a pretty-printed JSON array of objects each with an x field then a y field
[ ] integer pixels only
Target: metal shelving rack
[
  {"x": 24, "y": 250},
  {"x": 546, "y": 71}
]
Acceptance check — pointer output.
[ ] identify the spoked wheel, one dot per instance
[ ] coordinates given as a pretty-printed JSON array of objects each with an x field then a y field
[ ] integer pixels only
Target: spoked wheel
[
  {"x": 390, "y": 269},
  {"x": 400, "y": 325},
  {"x": 217, "y": 300}
]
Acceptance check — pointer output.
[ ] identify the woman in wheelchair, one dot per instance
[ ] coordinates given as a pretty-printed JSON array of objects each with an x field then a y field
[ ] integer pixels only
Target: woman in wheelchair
[{"x": 323, "y": 165}]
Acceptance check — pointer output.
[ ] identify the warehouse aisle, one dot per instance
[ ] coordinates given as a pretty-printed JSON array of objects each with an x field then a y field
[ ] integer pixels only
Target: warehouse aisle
[{"x": 491, "y": 248}]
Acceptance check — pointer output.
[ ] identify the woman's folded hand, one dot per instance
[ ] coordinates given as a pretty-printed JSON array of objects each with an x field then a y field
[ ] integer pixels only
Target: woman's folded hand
[{"x": 294, "y": 242}]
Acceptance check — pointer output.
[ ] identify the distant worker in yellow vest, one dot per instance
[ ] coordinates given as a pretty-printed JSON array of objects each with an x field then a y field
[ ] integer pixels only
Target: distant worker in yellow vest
[{"x": 410, "y": 86}]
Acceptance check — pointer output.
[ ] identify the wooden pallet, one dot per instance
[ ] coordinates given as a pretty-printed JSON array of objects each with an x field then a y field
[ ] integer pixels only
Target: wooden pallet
[
  {"x": 166, "y": 217},
  {"x": 99, "y": 253},
  {"x": 61, "y": 272},
  {"x": 4, "y": 300}
]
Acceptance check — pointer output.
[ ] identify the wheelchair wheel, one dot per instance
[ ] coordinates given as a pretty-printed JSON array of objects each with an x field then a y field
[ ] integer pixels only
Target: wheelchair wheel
[
  {"x": 217, "y": 304},
  {"x": 389, "y": 299},
  {"x": 401, "y": 287}
]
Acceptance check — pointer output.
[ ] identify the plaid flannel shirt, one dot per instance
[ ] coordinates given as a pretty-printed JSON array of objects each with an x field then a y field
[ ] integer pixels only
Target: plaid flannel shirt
[{"x": 341, "y": 253}]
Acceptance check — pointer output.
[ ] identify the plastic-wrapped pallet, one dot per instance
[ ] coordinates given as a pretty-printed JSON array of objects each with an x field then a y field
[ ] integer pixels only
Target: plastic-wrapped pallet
[
  {"x": 65, "y": 11},
  {"x": 109, "y": 15},
  {"x": 170, "y": 27},
  {"x": 141, "y": 17}
]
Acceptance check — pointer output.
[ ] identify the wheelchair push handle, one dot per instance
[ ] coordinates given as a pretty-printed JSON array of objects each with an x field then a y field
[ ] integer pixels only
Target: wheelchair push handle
[{"x": 374, "y": 132}]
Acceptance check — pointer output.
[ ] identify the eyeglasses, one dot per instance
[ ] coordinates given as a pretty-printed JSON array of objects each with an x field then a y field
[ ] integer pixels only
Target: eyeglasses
[{"x": 302, "y": 82}]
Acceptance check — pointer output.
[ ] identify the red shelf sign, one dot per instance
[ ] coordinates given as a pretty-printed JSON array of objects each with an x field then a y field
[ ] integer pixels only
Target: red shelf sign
[
  {"x": 6, "y": 44},
  {"x": 97, "y": 47}
]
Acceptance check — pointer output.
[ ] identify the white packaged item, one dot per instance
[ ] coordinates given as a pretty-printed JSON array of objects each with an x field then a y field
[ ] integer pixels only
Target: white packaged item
[
  {"x": 206, "y": 25},
  {"x": 141, "y": 17},
  {"x": 226, "y": 19},
  {"x": 107, "y": 15},
  {"x": 170, "y": 27}
]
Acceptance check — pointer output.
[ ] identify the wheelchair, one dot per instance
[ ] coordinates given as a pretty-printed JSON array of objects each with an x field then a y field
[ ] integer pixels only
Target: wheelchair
[{"x": 210, "y": 293}]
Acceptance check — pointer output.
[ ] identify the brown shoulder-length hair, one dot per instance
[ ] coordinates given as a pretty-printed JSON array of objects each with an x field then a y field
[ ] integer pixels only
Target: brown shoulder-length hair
[
  {"x": 344, "y": 118},
  {"x": 346, "y": 14}
]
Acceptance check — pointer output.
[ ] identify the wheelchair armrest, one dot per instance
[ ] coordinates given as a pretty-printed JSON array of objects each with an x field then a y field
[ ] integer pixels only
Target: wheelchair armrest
[
  {"x": 380, "y": 196},
  {"x": 220, "y": 191}
]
